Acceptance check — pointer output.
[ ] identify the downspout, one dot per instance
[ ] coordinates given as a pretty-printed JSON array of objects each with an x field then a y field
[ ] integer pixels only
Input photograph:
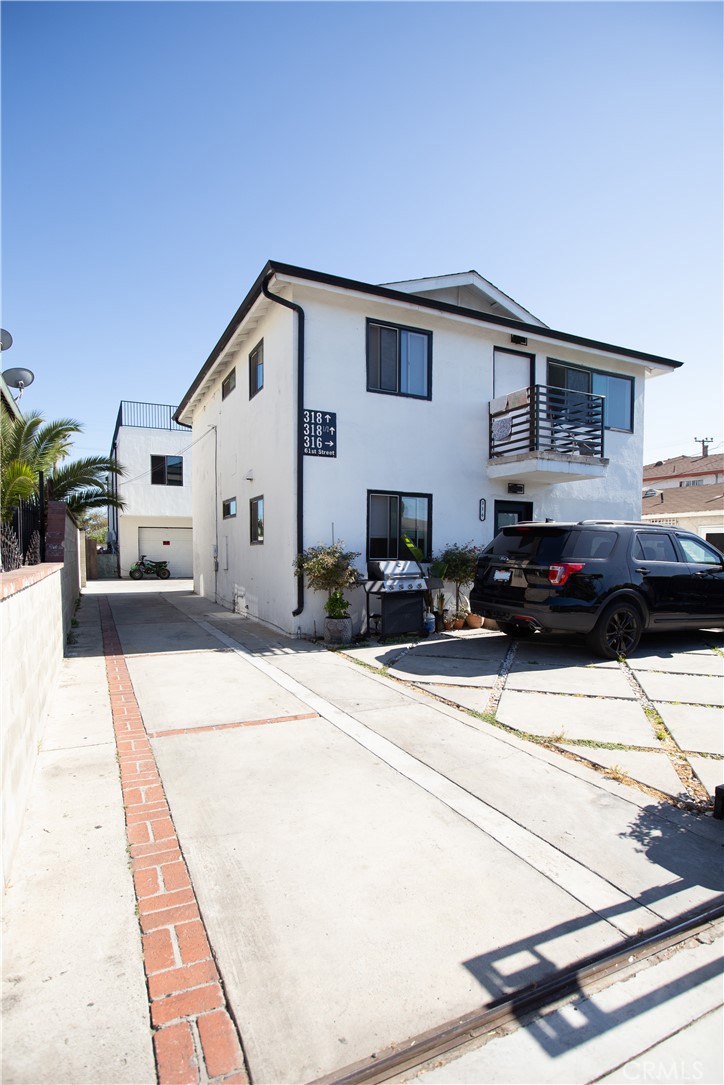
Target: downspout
[{"x": 300, "y": 409}]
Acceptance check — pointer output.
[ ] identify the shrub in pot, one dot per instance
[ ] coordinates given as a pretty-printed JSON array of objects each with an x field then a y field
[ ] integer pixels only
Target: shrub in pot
[
  {"x": 331, "y": 568},
  {"x": 460, "y": 560}
]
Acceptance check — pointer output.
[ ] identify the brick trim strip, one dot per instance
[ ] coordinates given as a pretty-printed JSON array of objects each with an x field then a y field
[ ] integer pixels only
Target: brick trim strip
[
  {"x": 194, "y": 1036},
  {"x": 226, "y": 726}
]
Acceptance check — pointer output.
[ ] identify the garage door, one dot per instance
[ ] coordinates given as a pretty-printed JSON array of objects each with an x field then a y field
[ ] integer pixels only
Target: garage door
[{"x": 171, "y": 544}]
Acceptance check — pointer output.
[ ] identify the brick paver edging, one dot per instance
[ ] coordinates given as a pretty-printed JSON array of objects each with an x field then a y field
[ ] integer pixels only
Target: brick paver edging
[{"x": 194, "y": 1037}]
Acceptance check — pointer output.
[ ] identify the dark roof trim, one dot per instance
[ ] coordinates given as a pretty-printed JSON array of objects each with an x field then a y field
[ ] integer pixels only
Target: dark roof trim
[{"x": 534, "y": 330}]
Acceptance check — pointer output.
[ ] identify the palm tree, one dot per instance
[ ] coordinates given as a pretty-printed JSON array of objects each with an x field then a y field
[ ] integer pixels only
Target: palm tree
[{"x": 29, "y": 446}]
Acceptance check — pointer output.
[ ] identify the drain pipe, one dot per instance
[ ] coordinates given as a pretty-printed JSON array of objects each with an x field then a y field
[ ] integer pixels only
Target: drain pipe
[{"x": 300, "y": 409}]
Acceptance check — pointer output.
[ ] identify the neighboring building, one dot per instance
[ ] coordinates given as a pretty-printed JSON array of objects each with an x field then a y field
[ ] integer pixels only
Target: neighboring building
[
  {"x": 439, "y": 408},
  {"x": 155, "y": 452},
  {"x": 688, "y": 492}
]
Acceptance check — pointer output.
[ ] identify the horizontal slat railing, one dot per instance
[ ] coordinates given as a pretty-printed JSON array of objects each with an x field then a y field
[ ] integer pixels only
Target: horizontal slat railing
[{"x": 544, "y": 419}]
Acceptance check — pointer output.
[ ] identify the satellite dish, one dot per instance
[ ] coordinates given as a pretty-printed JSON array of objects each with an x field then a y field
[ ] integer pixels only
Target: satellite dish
[
  {"x": 6, "y": 340},
  {"x": 18, "y": 378}
]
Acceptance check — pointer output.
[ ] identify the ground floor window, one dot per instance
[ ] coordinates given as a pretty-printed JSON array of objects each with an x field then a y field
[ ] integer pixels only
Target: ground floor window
[
  {"x": 392, "y": 515},
  {"x": 228, "y": 508},
  {"x": 256, "y": 519}
]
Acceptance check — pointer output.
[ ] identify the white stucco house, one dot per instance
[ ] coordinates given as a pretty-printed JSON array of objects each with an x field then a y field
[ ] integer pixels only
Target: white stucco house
[
  {"x": 155, "y": 451},
  {"x": 439, "y": 408}
]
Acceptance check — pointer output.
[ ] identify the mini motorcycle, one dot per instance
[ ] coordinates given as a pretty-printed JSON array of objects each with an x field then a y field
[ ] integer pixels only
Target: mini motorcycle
[{"x": 145, "y": 565}]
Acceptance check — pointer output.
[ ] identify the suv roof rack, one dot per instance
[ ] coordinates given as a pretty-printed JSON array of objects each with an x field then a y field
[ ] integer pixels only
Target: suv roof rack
[{"x": 622, "y": 523}]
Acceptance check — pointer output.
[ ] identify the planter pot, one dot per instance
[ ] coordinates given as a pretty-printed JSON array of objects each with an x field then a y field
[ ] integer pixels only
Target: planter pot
[
  {"x": 474, "y": 621},
  {"x": 337, "y": 630},
  {"x": 439, "y": 622},
  {"x": 458, "y": 623}
]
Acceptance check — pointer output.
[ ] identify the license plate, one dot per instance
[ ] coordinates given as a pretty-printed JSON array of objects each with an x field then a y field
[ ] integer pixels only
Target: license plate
[{"x": 501, "y": 576}]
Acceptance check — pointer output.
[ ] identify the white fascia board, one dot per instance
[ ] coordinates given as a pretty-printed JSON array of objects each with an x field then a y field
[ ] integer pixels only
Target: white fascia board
[{"x": 548, "y": 344}]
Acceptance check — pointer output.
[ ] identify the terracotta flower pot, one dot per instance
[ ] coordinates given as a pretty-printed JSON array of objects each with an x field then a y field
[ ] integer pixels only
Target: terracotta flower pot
[{"x": 474, "y": 621}]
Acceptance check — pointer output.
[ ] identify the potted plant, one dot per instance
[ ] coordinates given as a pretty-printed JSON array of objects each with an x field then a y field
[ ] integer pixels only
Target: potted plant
[
  {"x": 331, "y": 568},
  {"x": 460, "y": 560}
]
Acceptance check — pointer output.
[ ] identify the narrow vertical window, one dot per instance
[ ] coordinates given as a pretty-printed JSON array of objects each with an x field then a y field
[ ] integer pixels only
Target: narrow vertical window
[
  {"x": 256, "y": 369},
  {"x": 228, "y": 384},
  {"x": 256, "y": 519}
]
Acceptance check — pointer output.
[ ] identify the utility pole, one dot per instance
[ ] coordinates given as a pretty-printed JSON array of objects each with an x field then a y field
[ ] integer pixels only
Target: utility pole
[{"x": 704, "y": 442}]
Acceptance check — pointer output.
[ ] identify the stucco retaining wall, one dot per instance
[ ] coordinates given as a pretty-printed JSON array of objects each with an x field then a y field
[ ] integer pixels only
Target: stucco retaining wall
[{"x": 31, "y": 639}]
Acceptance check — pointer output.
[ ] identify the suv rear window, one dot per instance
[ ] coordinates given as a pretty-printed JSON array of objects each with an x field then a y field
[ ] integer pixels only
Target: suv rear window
[{"x": 545, "y": 544}]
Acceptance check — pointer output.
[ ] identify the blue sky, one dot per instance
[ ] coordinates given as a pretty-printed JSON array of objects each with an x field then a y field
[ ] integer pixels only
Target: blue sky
[{"x": 155, "y": 155}]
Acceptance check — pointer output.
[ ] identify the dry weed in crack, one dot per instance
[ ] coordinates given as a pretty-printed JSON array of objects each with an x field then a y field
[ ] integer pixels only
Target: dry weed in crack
[{"x": 689, "y": 780}]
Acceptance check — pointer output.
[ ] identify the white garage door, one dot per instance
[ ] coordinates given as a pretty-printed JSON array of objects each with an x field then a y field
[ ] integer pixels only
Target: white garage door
[{"x": 171, "y": 544}]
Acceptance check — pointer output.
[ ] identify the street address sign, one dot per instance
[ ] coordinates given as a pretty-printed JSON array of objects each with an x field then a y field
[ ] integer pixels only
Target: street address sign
[{"x": 319, "y": 433}]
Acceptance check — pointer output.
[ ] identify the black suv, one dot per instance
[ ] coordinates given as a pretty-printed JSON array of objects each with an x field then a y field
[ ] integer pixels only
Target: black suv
[{"x": 609, "y": 580}]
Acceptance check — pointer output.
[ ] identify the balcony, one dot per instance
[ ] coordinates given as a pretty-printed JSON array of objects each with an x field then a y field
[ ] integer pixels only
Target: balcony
[{"x": 546, "y": 435}]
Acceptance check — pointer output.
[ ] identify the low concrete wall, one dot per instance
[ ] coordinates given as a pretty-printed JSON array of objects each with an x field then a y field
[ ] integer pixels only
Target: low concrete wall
[
  {"x": 31, "y": 642},
  {"x": 37, "y": 604}
]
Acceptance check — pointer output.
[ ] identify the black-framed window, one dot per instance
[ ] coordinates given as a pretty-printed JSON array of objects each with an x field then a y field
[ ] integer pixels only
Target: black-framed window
[
  {"x": 392, "y": 515},
  {"x": 256, "y": 519},
  {"x": 399, "y": 360},
  {"x": 618, "y": 392},
  {"x": 167, "y": 471},
  {"x": 228, "y": 384},
  {"x": 256, "y": 369},
  {"x": 228, "y": 508}
]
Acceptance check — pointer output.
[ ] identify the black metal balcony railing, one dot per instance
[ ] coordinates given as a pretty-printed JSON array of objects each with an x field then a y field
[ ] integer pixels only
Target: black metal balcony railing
[
  {"x": 147, "y": 415},
  {"x": 543, "y": 419}
]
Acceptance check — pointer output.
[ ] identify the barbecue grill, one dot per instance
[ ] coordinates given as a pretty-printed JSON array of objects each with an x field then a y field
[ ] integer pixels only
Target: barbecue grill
[{"x": 396, "y": 597}]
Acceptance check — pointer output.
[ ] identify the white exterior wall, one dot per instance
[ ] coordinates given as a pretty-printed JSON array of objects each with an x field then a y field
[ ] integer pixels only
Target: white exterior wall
[
  {"x": 384, "y": 442},
  {"x": 254, "y": 436},
  {"x": 150, "y": 505}
]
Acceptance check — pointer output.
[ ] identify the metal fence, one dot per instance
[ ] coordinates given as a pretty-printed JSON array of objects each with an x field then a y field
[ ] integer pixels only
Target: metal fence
[
  {"x": 147, "y": 415},
  {"x": 22, "y": 539}
]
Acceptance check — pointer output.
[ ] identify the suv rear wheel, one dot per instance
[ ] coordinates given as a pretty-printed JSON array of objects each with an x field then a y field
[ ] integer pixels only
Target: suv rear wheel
[{"x": 617, "y": 632}]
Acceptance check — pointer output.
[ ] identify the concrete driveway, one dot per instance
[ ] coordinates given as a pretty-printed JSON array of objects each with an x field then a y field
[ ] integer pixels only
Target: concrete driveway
[{"x": 364, "y": 844}]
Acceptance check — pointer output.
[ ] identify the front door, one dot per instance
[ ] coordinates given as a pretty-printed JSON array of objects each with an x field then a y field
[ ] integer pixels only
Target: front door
[{"x": 508, "y": 513}]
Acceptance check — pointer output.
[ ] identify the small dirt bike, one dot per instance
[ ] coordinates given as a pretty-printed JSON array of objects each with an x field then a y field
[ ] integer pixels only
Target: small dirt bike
[{"x": 145, "y": 565}]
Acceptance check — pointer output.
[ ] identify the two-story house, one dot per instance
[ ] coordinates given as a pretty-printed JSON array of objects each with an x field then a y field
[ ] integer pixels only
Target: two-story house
[
  {"x": 155, "y": 452},
  {"x": 439, "y": 408}
]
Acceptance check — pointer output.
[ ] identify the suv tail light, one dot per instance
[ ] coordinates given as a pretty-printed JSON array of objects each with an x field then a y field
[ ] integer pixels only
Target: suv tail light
[{"x": 558, "y": 574}]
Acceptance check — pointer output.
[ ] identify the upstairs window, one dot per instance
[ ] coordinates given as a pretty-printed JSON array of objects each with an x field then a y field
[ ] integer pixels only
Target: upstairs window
[
  {"x": 617, "y": 391},
  {"x": 228, "y": 384},
  {"x": 399, "y": 360},
  {"x": 228, "y": 508},
  {"x": 167, "y": 471},
  {"x": 256, "y": 519},
  {"x": 392, "y": 515},
  {"x": 256, "y": 369}
]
